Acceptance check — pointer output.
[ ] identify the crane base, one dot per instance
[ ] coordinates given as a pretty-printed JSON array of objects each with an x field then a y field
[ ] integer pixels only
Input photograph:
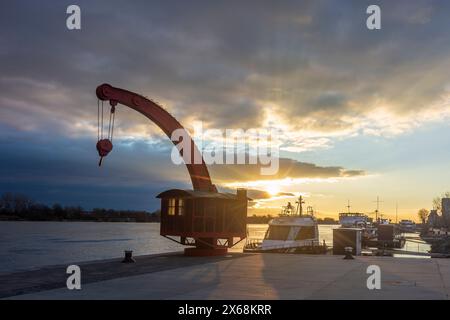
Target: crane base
[{"x": 205, "y": 252}]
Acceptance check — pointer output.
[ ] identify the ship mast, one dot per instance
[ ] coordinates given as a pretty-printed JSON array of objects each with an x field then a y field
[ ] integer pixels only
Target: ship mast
[
  {"x": 300, "y": 202},
  {"x": 378, "y": 208},
  {"x": 396, "y": 212}
]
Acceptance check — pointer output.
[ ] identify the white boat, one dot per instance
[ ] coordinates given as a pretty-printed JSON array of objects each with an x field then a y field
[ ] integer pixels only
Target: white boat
[
  {"x": 407, "y": 226},
  {"x": 352, "y": 219},
  {"x": 290, "y": 232},
  {"x": 358, "y": 220}
]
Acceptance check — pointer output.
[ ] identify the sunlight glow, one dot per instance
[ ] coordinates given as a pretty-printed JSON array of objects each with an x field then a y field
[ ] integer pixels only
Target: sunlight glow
[{"x": 273, "y": 189}]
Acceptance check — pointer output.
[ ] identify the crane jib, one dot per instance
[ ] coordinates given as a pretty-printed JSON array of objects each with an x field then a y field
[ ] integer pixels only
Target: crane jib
[{"x": 198, "y": 172}]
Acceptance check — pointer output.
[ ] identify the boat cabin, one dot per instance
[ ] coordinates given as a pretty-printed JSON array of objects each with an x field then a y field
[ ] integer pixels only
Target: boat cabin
[
  {"x": 353, "y": 219},
  {"x": 292, "y": 229},
  {"x": 291, "y": 232}
]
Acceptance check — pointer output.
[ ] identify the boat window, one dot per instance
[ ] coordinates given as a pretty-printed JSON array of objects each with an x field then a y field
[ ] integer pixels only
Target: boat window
[
  {"x": 277, "y": 233},
  {"x": 306, "y": 233}
]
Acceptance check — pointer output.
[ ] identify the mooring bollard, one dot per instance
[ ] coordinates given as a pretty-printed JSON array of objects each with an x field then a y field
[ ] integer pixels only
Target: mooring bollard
[
  {"x": 128, "y": 257},
  {"x": 348, "y": 253}
]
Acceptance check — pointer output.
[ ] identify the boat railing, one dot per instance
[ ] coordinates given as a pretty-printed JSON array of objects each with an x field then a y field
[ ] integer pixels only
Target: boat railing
[
  {"x": 257, "y": 243},
  {"x": 306, "y": 242},
  {"x": 253, "y": 243}
]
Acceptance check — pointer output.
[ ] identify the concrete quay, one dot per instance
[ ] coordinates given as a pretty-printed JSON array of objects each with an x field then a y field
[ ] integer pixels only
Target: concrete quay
[{"x": 238, "y": 276}]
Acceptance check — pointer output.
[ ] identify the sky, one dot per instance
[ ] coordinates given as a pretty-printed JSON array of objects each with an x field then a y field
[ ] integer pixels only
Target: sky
[{"x": 364, "y": 113}]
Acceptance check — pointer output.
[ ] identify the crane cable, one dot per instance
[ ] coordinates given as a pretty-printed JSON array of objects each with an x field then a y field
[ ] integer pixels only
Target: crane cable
[
  {"x": 112, "y": 116},
  {"x": 112, "y": 127},
  {"x": 104, "y": 144},
  {"x": 100, "y": 122}
]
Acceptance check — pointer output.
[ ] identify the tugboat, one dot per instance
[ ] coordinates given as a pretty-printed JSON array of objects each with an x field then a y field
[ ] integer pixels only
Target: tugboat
[{"x": 290, "y": 232}]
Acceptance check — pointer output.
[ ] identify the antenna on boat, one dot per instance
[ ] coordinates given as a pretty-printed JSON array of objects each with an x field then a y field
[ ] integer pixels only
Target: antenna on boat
[
  {"x": 378, "y": 208},
  {"x": 396, "y": 212},
  {"x": 300, "y": 202}
]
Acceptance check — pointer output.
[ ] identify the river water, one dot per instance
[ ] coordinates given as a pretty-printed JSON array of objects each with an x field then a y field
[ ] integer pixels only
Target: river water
[{"x": 30, "y": 245}]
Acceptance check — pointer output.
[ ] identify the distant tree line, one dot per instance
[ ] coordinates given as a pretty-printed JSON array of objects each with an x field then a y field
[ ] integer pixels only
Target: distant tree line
[
  {"x": 259, "y": 219},
  {"x": 15, "y": 206},
  {"x": 327, "y": 221}
]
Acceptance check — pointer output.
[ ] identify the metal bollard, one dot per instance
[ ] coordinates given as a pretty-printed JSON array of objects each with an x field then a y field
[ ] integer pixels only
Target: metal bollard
[
  {"x": 128, "y": 257},
  {"x": 348, "y": 253}
]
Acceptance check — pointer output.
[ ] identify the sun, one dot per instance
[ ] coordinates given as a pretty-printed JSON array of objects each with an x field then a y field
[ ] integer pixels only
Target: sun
[{"x": 273, "y": 189}]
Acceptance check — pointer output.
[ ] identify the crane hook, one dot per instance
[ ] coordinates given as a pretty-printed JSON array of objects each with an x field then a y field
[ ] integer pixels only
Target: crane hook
[{"x": 104, "y": 147}]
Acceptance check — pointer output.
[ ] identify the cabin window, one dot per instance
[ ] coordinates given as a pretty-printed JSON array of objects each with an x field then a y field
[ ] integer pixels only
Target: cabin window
[
  {"x": 180, "y": 207},
  {"x": 175, "y": 207},
  {"x": 306, "y": 233},
  {"x": 172, "y": 207},
  {"x": 277, "y": 233}
]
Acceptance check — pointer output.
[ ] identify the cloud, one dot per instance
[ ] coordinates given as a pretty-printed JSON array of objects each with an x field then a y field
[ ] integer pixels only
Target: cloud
[
  {"x": 254, "y": 194},
  {"x": 288, "y": 168},
  {"x": 51, "y": 169},
  {"x": 315, "y": 63},
  {"x": 309, "y": 67},
  {"x": 328, "y": 100}
]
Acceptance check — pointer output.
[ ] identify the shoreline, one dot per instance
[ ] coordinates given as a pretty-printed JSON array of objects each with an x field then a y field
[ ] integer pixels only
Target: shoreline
[
  {"x": 22, "y": 220},
  {"x": 11, "y": 220}
]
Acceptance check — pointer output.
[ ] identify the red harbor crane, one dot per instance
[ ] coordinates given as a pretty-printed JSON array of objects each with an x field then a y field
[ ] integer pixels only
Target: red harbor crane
[{"x": 202, "y": 218}]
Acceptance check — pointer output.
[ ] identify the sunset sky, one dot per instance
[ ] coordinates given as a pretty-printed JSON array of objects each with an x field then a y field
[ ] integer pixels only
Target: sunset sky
[{"x": 365, "y": 112}]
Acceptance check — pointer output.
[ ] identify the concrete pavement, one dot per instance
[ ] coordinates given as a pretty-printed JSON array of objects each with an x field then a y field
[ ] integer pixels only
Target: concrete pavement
[{"x": 269, "y": 276}]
